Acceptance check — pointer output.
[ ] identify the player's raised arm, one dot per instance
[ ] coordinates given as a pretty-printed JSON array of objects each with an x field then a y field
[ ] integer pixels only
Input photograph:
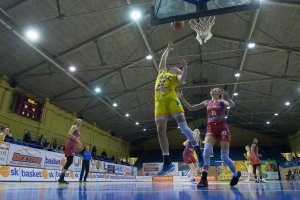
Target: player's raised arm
[
  {"x": 163, "y": 60},
  {"x": 182, "y": 77},
  {"x": 189, "y": 106},
  {"x": 227, "y": 101}
]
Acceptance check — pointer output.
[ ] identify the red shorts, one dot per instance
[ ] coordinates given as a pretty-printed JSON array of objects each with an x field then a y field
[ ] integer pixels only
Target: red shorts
[
  {"x": 189, "y": 158},
  {"x": 70, "y": 148},
  {"x": 253, "y": 160},
  {"x": 219, "y": 130}
]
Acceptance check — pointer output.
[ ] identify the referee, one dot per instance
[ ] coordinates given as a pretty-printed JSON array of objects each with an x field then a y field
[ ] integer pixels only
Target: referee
[{"x": 86, "y": 157}]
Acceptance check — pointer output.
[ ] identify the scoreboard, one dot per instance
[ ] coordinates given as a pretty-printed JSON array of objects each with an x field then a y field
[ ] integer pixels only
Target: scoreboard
[{"x": 27, "y": 107}]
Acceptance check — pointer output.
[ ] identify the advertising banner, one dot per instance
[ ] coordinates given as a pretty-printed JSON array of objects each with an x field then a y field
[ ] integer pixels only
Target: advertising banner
[
  {"x": 96, "y": 177},
  {"x": 151, "y": 169},
  {"x": 76, "y": 165},
  {"x": 97, "y": 166},
  {"x": 269, "y": 169},
  {"x": 54, "y": 160},
  {"x": 109, "y": 168},
  {"x": 4, "y": 149},
  {"x": 223, "y": 171},
  {"x": 290, "y": 173},
  {"x": 8, "y": 173},
  {"x": 130, "y": 178},
  {"x": 25, "y": 156},
  {"x": 120, "y": 169},
  {"x": 31, "y": 174},
  {"x": 70, "y": 176}
]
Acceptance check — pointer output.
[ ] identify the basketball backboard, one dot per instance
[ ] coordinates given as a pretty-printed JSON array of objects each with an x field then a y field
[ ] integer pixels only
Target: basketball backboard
[{"x": 166, "y": 11}]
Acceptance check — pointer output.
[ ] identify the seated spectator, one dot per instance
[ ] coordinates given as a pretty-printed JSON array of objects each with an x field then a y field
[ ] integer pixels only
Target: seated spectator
[
  {"x": 41, "y": 140},
  {"x": 48, "y": 147},
  {"x": 94, "y": 152},
  {"x": 3, "y": 133},
  {"x": 9, "y": 137},
  {"x": 104, "y": 155},
  {"x": 27, "y": 137},
  {"x": 54, "y": 143},
  {"x": 46, "y": 143},
  {"x": 60, "y": 149}
]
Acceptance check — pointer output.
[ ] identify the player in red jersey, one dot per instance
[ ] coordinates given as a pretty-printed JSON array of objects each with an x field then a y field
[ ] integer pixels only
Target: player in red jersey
[
  {"x": 254, "y": 160},
  {"x": 70, "y": 148},
  {"x": 217, "y": 130},
  {"x": 189, "y": 158}
]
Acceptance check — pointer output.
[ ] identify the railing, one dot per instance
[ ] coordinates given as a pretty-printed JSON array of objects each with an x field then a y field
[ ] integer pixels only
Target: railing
[{"x": 290, "y": 163}]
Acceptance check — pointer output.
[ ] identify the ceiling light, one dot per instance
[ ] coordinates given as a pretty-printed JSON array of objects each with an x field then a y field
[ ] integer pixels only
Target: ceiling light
[
  {"x": 32, "y": 34},
  {"x": 144, "y": 129},
  {"x": 135, "y": 15},
  {"x": 251, "y": 45},
  {"x": 97, "y": 90},
  {"x": 228, "y": 108},
  {"x": 237, "y": 75},
  {"x": 72, "y": 68},
  {"x": 235, "y": 94},
  {"x": 226, "y": 117},
  {"x": 127, "y": 115},
  {"x": 115, "y": 104},
  {"x": 287, "y": 103},
  {"x": 137, "y": 123},
  {"x": 267, "y": 122},
  {"x": 276, "y": 114},
  {"x": 149, "y": 57},
  {"x": 178, "y": 127}
]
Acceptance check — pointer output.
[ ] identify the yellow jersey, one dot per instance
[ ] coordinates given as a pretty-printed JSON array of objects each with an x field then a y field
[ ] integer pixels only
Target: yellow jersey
[
  {"x": 165, "y": 84},
  {"x": 2, "y": 137}
]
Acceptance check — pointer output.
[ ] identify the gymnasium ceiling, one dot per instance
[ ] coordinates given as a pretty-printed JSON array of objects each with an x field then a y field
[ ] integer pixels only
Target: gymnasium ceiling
[{"x": 108, "y": 49}]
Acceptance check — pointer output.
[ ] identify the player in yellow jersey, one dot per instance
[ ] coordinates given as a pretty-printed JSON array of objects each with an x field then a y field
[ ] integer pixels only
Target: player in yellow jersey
[
  {"x": 247, "y": 156},
  {"x": 3, "y": 133},
  {"x": 167, "y": 103}
]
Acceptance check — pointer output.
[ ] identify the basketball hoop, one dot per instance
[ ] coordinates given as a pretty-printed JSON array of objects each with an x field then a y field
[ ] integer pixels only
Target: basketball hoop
[{"x": 203, "y": 28}]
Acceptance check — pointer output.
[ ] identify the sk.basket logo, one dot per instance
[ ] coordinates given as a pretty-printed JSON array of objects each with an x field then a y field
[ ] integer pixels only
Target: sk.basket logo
[
  {"x": 5, "y": 171},
  {"x": 52, "y": 161},
  {"x": 26, "y": 158}
]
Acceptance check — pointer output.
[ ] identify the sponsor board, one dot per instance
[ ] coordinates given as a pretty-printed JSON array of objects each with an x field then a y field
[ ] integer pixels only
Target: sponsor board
[
  {"x": 9, "y": 173},
  {"x": 31, "y": 174},
  {"x": 181, "y": 179},
  {"x": 120, "y": 169},
  {"x": 25, "y": 156},
  {"x": 113, "y": 177},
  {"x": 97, "y": 166},
  {"x": 109, "y": 168},
  {"x": 54, "y": 160},
  {"x": 130, "y": 178},
  {"x": 144, "y": 178},
  {"x": 76, "y": 165},
  {"x": 97, "y": 177},
  {"x": 70, "y": 176},
  {"x": 162, "y": 179},
  {"x": 269, "y": 169},
  {"x": 4, "y": 149},
  {"x": 151, "y": 169}
]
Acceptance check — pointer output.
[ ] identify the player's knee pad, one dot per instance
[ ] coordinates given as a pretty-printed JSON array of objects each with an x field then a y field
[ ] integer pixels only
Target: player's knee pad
[
  {"x": 225, "y": 158},
  {"x": 206, "y": 153},
  {"x": 185, "y": 129}
]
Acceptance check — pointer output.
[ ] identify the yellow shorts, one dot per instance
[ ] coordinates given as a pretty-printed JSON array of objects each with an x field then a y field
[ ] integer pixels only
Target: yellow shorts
[{"x": 170, "y": 105}]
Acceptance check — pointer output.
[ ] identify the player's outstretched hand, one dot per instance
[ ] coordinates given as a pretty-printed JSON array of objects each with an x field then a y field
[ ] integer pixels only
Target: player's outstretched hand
[
  {"x": 179, "y": 94},
  {"x": 183, "y": 63},
  {"x": 170, "y": 45}
]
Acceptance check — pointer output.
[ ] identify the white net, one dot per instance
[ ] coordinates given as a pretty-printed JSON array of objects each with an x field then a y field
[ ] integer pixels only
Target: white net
[{"x": 203, "y": 28}]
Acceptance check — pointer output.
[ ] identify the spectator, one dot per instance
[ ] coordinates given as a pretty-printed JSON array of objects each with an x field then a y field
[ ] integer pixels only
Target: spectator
[
  {"x": 46, "y": 143},
  {"x": 94, "y": 152},
  {"x": 55, "y": 144},
  {"x": 104, "y": 155},
  {"x": 60, "y": 149},
  {"x": 27, "y": 137},
  {"x": 3, "y": 134},
  {"x": 41, "y": 140},
  {"x": 9, "y": 137},
  {"x": 48, "y": 147}
]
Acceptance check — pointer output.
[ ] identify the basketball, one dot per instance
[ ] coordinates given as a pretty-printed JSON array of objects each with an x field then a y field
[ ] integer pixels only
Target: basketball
[{"x": 178, "y": 25}]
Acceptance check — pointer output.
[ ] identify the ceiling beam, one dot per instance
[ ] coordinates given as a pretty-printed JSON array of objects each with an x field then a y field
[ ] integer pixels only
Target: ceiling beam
[
  {"x": 76, "y": 48},
  {"x": 12, "y": 6},
  {"x": 118, "y": 69},
  {"x": 9, "y": 25},
  {"x": 285, "y": 3},
  {"x": 259, "y": 45}
]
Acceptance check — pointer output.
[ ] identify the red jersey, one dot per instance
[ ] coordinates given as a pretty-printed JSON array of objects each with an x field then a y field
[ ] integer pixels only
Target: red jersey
[
  {"x": 215, "y": 111},
  {"x": 188, "y": 154}
]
